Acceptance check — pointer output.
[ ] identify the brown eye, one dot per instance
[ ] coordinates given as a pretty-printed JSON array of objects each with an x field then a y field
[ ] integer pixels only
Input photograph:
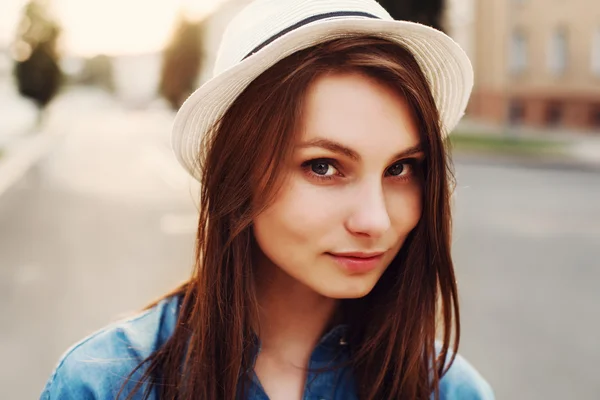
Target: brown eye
[
  {"x": 396, "y": 169},
  {"x": 320, "y": 168}
]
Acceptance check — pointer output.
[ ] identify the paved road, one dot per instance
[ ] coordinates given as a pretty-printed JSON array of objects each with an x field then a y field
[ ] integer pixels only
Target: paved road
[
  {"x": 99, "y": 227},
  {"x": 527, "y": 251},
  {"x": 76, "y": 250}
]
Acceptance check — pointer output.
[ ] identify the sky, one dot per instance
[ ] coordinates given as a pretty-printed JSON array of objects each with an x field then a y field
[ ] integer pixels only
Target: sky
[{"x": 111, "y": 27}]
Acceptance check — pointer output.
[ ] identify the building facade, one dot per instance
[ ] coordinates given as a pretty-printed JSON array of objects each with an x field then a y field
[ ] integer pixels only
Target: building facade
[{"x": 537, "y": 62}]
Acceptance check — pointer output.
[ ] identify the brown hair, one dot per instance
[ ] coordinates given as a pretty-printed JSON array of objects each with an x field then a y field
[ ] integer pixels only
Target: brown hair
[{"x": 393, "y": 328}]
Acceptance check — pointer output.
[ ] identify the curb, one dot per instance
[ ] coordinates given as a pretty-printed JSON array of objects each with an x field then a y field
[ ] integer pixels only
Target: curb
[{"x": 547, "y": 162}]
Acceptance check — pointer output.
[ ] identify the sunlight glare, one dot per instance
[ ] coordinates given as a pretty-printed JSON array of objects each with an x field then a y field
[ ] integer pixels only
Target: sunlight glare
[{"x": 122, "y": 26}]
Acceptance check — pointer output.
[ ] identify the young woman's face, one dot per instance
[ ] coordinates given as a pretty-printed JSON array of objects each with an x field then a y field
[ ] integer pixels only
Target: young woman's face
[{"x": 352, "y": 192}]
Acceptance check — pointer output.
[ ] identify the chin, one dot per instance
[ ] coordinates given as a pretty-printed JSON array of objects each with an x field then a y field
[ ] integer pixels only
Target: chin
[{"x": 350, "y": 291}]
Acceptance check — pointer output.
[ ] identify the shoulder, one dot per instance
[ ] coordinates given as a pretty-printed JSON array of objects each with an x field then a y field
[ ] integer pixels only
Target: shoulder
[
  {"x": 97, "y": 366},
  {"x": 462, "y": 381}
]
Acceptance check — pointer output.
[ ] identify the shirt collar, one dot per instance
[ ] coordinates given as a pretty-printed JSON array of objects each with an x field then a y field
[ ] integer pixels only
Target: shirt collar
[
  {"x": 332, "y": 342},
  {"x": 336, "y": 336}
]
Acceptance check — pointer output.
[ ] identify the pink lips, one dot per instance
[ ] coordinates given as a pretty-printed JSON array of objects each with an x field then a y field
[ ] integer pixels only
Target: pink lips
[{"x": 357, "y": 263}]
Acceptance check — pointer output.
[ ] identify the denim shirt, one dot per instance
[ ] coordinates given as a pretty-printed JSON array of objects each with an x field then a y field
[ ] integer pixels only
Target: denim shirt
[{"x": 96, "y": 367}]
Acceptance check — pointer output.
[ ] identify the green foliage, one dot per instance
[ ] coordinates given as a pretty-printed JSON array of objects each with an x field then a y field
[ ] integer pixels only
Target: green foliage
[
  {"x": 36, "y": 67},
  {"x": 427, "y": 12},
  {"x": 504, "y": 144},
  {"x": 181, "y": 63}
]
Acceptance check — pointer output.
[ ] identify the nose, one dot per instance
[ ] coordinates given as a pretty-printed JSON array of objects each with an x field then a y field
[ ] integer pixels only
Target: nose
[{"x": 369, "y": 216}]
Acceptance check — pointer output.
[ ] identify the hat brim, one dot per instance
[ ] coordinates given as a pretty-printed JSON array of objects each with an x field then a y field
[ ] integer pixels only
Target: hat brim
[{"x": 445, "y": 65}]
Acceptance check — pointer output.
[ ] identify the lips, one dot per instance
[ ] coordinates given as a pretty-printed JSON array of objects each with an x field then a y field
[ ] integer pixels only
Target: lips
[
  {"x": 359, "y": 254},
  {"x": 357, "y": 262}
]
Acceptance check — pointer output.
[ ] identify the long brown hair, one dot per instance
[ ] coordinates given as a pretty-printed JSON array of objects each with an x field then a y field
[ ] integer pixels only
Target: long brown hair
[{"x": 392, "y": 329}]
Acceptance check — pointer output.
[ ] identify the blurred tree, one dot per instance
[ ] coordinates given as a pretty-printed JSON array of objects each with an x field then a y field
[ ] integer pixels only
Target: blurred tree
[
  {"x": 36, "y": 57},
  {"x": 181, "y": 63},
  {"x": 427, "y": 12},
  {"x": 98, "y": 71}
]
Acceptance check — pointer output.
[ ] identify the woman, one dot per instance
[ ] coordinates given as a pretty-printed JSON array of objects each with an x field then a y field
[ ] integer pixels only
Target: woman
[{"x": 323, "y": 248}]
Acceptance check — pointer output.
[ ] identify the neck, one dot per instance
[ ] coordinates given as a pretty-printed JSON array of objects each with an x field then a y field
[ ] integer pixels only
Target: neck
[{"x": 292, "y": 316}]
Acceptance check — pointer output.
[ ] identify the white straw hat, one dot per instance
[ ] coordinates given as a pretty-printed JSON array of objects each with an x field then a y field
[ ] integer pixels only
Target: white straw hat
[{"x": 266, "y": 31}]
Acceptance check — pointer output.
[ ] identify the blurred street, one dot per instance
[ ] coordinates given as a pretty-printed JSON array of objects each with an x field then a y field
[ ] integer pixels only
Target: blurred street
[
  {"x": 105, "y": 222},
  {"x": 98, "y": 228},
  {"x": 527, "y": 251}
]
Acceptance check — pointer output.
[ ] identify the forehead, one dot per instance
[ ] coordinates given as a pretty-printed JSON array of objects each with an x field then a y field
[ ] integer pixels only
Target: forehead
[{"x": 359, "y": 112}]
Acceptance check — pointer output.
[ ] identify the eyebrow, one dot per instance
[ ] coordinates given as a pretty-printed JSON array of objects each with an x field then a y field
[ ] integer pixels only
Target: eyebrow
[{"x": 338, "y": 148}]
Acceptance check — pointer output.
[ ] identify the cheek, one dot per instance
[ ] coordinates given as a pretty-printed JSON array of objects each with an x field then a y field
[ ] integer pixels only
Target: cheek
[
  {"x": 406, "y": 209},
  {"x": 297, "y": 223}
]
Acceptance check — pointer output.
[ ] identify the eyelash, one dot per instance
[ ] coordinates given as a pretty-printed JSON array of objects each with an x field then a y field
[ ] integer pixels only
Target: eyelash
[{"x": 412, "y": 163}]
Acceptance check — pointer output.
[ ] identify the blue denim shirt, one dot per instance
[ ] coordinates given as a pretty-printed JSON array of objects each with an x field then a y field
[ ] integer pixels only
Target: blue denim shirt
[{"x": 95, "y": 368}]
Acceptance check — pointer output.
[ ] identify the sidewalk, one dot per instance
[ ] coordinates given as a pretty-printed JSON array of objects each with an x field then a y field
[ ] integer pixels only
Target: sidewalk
[
  {"x": 21, "y": 144},
  {"x": 100, "y": 148}
]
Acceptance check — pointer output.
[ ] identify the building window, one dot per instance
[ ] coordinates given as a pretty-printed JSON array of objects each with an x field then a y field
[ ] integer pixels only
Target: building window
[
  {"x": 518, "y": 52},
  {"x": 596, "y": 53},
  {"x": 557, "y": 52},
  {"x": 595, "y": 117},
  {"x": 516, "y": 112},
  {"x": 553, "y": 114}
]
